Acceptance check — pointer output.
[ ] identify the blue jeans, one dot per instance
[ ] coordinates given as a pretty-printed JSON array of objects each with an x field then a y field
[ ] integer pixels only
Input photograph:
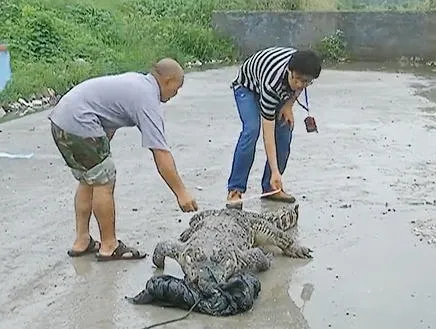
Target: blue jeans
[{"x": 247, "y": 103}]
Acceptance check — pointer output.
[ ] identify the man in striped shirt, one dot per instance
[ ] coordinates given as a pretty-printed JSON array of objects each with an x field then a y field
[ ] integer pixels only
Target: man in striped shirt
[{"x": 265, "y": 89}]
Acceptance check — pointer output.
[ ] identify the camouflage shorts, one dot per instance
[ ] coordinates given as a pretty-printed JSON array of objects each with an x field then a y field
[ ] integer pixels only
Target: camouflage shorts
[{"x": 89, "y": 158}]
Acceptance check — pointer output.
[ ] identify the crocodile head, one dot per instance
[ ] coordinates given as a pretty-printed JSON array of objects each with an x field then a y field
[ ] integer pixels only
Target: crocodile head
[{"x": 285, "y": 218}]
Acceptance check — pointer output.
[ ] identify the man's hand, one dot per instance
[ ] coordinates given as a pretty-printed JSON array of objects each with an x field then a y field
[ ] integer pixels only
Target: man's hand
[
  {"x": 186, "y": 202},
  {"x": 276, "y": 181},
  {"x": 287, "y": 114}
]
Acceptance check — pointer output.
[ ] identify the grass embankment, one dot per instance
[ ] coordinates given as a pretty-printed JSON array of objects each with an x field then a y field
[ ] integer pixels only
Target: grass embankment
[{"x": 57, "y": 43}]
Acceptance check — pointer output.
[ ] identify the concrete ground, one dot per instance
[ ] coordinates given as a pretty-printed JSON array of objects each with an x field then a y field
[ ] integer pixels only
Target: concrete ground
[{"x": 365, "y": 185}]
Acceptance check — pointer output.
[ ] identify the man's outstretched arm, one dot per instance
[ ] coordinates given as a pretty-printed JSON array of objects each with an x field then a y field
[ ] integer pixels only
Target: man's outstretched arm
[
  {"x": 151, "y": 126},
  {"x": 267, "y": 109},
  {"x": 167, "y": 169}
]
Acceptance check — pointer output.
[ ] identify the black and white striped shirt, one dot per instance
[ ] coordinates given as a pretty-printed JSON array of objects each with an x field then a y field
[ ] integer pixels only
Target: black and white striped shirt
[{"x": 265, "y": 73}]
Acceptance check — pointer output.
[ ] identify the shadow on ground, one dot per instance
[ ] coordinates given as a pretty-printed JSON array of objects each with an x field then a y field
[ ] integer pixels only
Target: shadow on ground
[{"x": 365, "y": 185}]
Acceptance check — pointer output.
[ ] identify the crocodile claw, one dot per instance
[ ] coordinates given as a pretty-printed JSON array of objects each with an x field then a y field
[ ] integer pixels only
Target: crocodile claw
[
  {"x": 299, "y": 252},
  {"x": 184, "y": 236},
  {"x": 270, "y": 256}
]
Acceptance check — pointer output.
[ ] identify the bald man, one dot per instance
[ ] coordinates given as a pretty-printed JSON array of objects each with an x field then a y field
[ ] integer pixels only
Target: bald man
[{"x": 82, "y": 125}]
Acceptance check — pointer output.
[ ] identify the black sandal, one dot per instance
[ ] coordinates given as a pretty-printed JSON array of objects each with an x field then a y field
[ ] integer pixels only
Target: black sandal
[
  {"x": 120, "y": 253},
  {"x": 93, "y": 246}
]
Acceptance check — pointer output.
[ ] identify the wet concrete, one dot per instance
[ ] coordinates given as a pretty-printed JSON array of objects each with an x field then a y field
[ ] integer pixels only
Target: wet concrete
[{"x": 365, "y": 183}]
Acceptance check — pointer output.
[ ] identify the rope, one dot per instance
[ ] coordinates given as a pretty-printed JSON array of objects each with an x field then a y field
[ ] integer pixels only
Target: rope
[
  {"x": 256, "y": 196},
  {"x": 190, "y": 310},
  {"x": 176, "y": 319}
]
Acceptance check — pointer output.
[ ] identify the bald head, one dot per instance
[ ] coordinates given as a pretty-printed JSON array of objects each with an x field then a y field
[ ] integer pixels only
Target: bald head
[
  {"x": 168, "y": 67},
  {"x": 169, "y": 75}
]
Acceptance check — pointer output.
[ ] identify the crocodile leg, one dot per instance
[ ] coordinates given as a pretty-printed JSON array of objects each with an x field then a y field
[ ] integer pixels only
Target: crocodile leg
[
  {"x": 268, "y": 234},
  {"x": 297, "y": 251},
  {"x": 168, "y": 248},
  {"x": 255, "y": 259}
]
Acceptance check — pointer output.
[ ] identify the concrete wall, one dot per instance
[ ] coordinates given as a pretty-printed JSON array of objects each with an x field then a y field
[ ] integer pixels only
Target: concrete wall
[
  {"x": 383, "y": 3},
  {"x": 372, "y": 36}
]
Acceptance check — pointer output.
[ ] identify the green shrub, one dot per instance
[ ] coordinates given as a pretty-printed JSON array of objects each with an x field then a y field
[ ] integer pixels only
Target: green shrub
[
  {"x": 333, "y": 47},
  {"x": 55, "y": 44}
]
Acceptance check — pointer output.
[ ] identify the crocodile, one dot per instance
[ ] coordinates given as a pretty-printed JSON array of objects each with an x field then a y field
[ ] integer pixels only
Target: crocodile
[{"x": 223, "y": 242}]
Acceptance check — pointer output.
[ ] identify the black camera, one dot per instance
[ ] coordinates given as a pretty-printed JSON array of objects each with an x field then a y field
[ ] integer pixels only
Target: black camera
[{"x": 310, "y": 124}]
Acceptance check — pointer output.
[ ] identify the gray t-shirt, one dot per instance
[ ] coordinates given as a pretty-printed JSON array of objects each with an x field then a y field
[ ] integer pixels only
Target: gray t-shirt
[{"x": 106, "y": 103}]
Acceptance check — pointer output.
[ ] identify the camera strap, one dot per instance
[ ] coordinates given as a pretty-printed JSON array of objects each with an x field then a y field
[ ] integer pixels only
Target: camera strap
[{"x": 306, "y": 98}]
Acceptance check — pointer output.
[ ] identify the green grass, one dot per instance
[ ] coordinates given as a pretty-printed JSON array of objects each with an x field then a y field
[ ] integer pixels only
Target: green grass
[{"x": 58, "y": 43}]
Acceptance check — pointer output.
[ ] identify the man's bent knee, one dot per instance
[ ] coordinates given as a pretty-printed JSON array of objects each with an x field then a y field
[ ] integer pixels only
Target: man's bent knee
[{"x": 101, "y": 174}]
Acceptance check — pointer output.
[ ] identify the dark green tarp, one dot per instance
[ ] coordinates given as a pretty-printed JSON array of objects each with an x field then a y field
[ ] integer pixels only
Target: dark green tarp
[{"x": 235, "y": 296}]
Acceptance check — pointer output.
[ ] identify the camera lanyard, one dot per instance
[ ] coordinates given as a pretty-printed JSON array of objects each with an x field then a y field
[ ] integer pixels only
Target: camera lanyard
[{"x": 306, "y": 107}]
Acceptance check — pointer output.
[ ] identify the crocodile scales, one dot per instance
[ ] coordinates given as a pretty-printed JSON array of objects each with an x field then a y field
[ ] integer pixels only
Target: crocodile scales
[{"x": 224, "y": 242}]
